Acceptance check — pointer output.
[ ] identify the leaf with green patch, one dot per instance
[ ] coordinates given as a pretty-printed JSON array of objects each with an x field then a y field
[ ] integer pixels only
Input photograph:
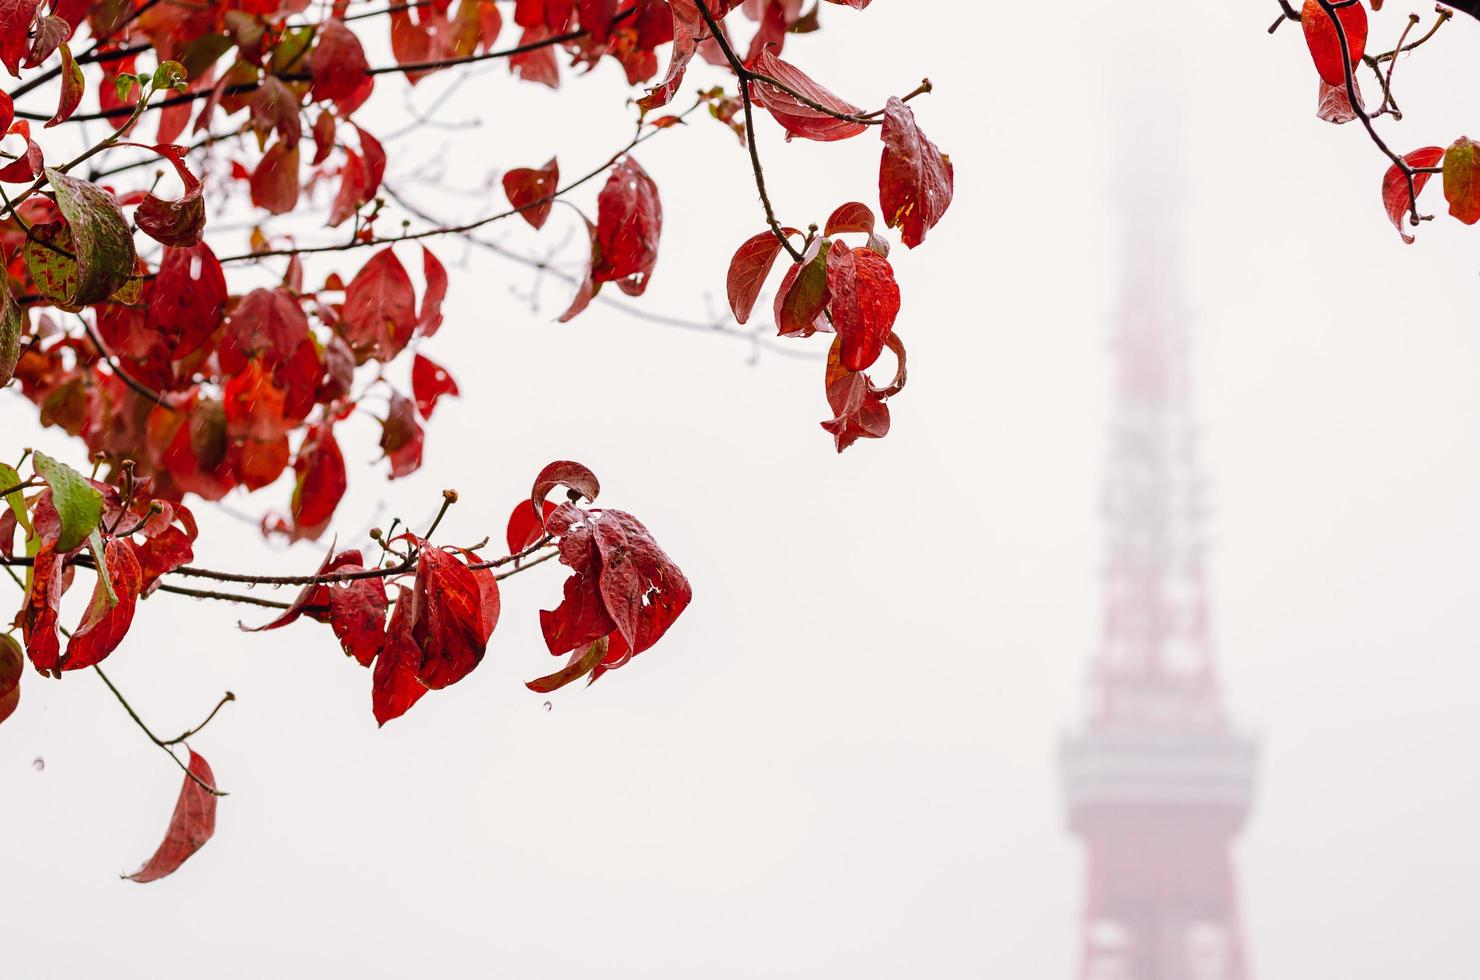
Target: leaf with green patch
[
  {"x": 79, "y": 506},
  {"x": 12, "y": 322},
  {"x": 103, "y": 247}
]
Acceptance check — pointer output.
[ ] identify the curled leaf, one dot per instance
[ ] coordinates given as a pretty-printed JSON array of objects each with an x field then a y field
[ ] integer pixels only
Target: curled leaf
[
  {"x": 191, "y": 825},
  {"x": 563, "y": 473}
]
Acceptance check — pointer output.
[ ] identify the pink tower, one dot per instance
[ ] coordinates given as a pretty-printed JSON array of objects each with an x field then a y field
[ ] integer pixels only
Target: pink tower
[{"x": 1156, "y": 782}]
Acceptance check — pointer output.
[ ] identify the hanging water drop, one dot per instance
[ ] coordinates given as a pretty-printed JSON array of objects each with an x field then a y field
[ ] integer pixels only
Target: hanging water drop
[
  {"x": 38, "y": 763},
  {"x": 548, "y": 706}
]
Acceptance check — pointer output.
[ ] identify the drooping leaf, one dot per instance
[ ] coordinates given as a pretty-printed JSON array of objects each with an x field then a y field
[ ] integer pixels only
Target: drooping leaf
[
  {"x": 39, "y": 614},
  {"x": 12, "y": 665},
  {"x": 1395, "y": 193},
  {"x": 1324, "y": 41},
  {"x": 15, "y": 32},
  {"x": 338, "y": 64},
  {"x": 274, "y": 182},
  {"x": 446, "y": 618},
  {"x": 643, "y": 590},
  {"x": 428, "y": 383},
  {"x": 181, "y": 222},
  {"x": 687, "y": 26},
  {"x": 916, "y": 180},
  {"x": 78, "y": 504},
  {"x": 526, "y": 526},
  {"x": 402, "y": 437},
  {"x": 859, "y": 409},
  {"x": 357, "y": 611},
  {"x": 394, "y": 687},
  {"x": 532, "y": 191},
  {"x": 865, "y": 302},
  {"x": 191, "y": 825},
  {"x": 321, "y": 483},
  {"x": 1461, "y": 181},
  {"x": 314, "y": 598},
  {"x": 379, "y": 308},
  {"x": 72, "y": 87},
  {"x": 101, "y": 242},
  {"x": 629, "y": 224},
  {"x": 1334, "y": 106},
  {"x": 582, "y": 662},
  {"x": 803, "y": 294},
  {"x": 799, "y": 118},
  {"x": 432, "y": 270},
  {"x": 12, "y": 322},
  {"x": 106, "y": 623},
  {"x": 749, "y": 267}
]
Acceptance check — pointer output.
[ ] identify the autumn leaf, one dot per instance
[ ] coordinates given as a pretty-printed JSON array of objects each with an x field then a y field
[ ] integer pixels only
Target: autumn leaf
[
  {"x": 796, "y": 117},
  {"x": 401, "y": 436},
  {"x": 379, "y": 308},
  {"x": 12, "y": 322},
  {"x": 357, "y": 611},
  {"x": 12, "y": 665},
  {"x": 859, "y": 409},
  {"x": 70, "y": 95},
  {"x": 532, "y": 192},
  {"x": 916, "y": 180},
  {"x": 191, "y": 825},
  {"x": 563, "y": 473},
  {"x": 749, "y": 267},
  {"x": 428, "y": 383},
  {"x": 394, "y": 687},
  {"x": 338, "y": 64},
  {"x": 108, "y": 617},
  {"x": 321, "y": 483},
  {"x": 643, "y": 590},
  {"x": 100, "y": 237},
  {"x": 435, "y": 275},
  {"x": 864, "y": 303},
  {"x": 803, "y": 294},
  {"x": 1462, "y": 180},
  {"x": 629, "y": 223},
  {"x": 1322, "y": 38},
  {"x": 1395, "y": 194},
  {"x": 526, "y": 526},
  {"x": 274, "y": 182},
  {"x": 179, "y": 223}
]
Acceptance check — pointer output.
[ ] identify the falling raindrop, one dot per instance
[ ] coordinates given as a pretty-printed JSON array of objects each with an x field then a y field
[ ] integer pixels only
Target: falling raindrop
[
  {"x": 38, "y": 763},
  {"x": 548, "y": 706}
]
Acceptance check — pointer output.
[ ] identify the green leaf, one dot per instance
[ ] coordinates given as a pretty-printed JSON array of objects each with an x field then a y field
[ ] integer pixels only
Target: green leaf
[
  {"x": 17, "y": 501},
  {"x": 290, "y": 48},
  {"x": 95, "y": 544},
  {"x": 102, "y": 243},
  {"x": 52, "y": 265},
  {"x": 169, "y": 74},
  {"x": 79, "y": 506},
  {"x": 123, "y": 85},
  {"x": 12, "y": 322}
]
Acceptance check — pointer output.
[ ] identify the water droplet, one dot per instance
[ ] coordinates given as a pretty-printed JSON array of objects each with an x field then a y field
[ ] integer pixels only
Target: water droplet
[
  {"x": 548, "y": 706},
  {"x": 38, "y": 763}
]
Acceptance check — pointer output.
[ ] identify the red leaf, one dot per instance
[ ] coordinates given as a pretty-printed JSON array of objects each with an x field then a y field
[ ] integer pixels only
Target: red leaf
[
  {"x": 447, "y": 618},
  {"x": 12, "y": 665},
  {"x": 104, "y": 625},
  {"x": 428, "y": 383},
  {"x": 1324, "y": 42},
  {"x": 267, "y": 324},
  {"x": 313, "y": 597},
  {"x": 749, "y": 267},
  {"x": 1395, "y": 196},
  {"x": 581, "y": 663},
  {"x": 39, "y": 614},
  {"x": 321, "y": 483},
  {"x": 865, "y": 302},
  {"x": 581, "y": 617},
  {"x": 191, "y": 825},
  {"x": 338, "y": 63},
  {"x": 859, "y": 409},
  {"x": 71, "y": 90},
  {"x": 394, "y": 687},
  {"x": 178, "y": 223},
  {"x": 187, "y": 297},
  {"x": 15, "y": 32},
  {"x": 402, "y": 437},
  {"x": 532, "y": 191},
  {"x": 536, "y": 64},
  {"x": 853, "y": 216},
  {"x": 435, "y": 275},
  {"x": 379, "y": 308},
  {"x": 643, "y": 590},
  {"x": 797, "y": 117},
  {"x": 357, "y": 611},
  {"x": 525, "y": 528},
  {"x": 586, "y": 291},
  {"x": 629, "y": 222},
  {"x": 563, "y": 473},
  {"x": 275, "y": 181},
  {"x": 916, "y": 180},
  {"x": 596, "y": 17},
  {"x": 687, "y": 27}
]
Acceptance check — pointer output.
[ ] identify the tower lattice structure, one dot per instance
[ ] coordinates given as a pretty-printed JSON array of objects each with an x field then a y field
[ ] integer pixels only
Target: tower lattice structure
[{"x": 1157, "y": 783}]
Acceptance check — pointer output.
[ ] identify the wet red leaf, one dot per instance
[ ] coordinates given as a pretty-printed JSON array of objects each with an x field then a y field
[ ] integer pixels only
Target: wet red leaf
[
  {"x": 191, "y": 825},
  {"x": 916, "y": 180}
]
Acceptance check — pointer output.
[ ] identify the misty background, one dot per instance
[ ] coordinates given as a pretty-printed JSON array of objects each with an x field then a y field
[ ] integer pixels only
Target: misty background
[{"x": 840, "y": 762}]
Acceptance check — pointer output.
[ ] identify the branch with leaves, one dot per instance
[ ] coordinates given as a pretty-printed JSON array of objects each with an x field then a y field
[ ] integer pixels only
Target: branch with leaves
[
  {"x": 129, "y": 321},
  {"x": 1336, "y": 34}
]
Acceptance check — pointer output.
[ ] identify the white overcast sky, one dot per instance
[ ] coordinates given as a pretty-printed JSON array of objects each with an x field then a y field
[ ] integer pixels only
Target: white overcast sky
[{"x": 840, "y": 762}]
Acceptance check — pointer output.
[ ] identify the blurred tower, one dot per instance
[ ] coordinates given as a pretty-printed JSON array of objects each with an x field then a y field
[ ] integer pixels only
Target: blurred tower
[{"x": 1157, "y": 784}]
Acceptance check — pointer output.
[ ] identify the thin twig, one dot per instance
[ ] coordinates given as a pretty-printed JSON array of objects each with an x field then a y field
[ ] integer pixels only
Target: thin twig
[{"x": 164, "y": 746}]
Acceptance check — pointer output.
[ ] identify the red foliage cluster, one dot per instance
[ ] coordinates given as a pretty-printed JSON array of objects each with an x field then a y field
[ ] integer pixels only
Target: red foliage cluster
[
  {"x": 1336, "y": 33},
  {"x": 122, "y": 324}
]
